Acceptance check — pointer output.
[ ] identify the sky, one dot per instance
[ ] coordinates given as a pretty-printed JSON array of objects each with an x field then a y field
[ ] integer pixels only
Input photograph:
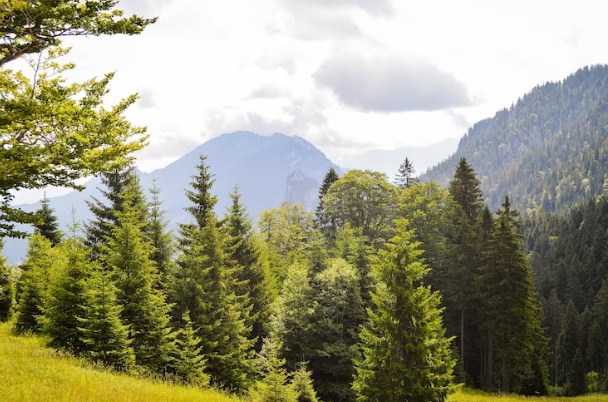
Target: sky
[{"x": 346, "y": 75}]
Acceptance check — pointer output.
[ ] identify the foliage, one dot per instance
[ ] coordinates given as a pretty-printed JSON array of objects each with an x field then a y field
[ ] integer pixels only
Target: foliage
[
  {"x": 273, "y": 387},
  {"x": 363, "y": 199},
  {"x": 302, "y": 385},
  {"x": 405, "y": 353},
  {"x": 188, "y": 362},
  {"x": 47, "y": 226},
  {"x": 7, "y": 291},
  {"x": 405, "y": 175},
  {"x": 323, "y": 223}
]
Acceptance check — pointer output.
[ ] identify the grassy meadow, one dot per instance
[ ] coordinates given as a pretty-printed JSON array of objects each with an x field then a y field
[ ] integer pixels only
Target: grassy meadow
[{"x": 30, "y": 372}]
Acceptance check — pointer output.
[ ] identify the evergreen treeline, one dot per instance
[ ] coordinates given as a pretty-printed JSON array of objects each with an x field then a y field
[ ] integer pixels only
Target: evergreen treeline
[
  {"x": 547, "y": 151},
  {"x": 384, "y": 293}
]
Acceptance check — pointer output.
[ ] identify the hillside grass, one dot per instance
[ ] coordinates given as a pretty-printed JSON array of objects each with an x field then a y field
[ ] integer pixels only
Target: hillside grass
[
  {"x": 468, "y": 395},
  {"x": 31, "y": 372}
]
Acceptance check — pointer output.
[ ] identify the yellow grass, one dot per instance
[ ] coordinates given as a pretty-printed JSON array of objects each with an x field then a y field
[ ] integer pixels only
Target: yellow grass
[
  {"x": 31, "y": 372},
  {"x": 467, "y": 395}
]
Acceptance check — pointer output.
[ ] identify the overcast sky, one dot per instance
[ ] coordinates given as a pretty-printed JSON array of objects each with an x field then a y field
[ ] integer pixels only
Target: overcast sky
[{"x": 347, "y": 75}]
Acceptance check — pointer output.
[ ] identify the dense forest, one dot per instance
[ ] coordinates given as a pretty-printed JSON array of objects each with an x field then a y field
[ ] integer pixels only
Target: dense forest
[{"x": 547, "y": 151}]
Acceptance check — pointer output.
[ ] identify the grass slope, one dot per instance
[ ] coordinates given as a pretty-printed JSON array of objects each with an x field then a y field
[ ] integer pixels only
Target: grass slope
[
  {"x": 467, "y": 395},
  {"x": 31, "y": 372}
]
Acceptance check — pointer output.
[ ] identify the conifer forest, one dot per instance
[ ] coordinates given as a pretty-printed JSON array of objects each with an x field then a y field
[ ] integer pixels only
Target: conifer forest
[{"x": 487, "y": 272}]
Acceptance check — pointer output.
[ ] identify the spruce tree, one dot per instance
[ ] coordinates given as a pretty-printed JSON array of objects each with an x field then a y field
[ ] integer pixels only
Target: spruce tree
[
  {"x": 66, "y": 305},
  {"x": 252, "y": 275},
  {"x": 7, "y": 290},
  {"x": 465, "y": 189},
  {"x": 302, "y": 384},
  {"x": 188, "y": 362},
  {"x": 274, "y": 386},
  {"x": 406, "y": 356},
  {"x": 38, "y": 271},
  {"x": 510, "y": 310},
  {"x": 203, "y": 283},
  {"x": 144, "y": 309},
  {"x": 405, "y": 175},
  {"x": 102, "y": 331},
  {"x": 162, "y": 241},
  {"x": 324, "y": 223},
  {"x": 47, "y": 225}
]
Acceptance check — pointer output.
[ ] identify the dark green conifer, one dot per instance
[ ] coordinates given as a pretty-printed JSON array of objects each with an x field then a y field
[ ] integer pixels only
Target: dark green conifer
[
  {"x": 47, "y": 225},
  {"x": 326, "y": 224},
  {"x": 405, "y": 175},
  {"x": 7, "y": 290},
  {"x": 406, "y": 356},
  {"x": 162, "y": 241}
]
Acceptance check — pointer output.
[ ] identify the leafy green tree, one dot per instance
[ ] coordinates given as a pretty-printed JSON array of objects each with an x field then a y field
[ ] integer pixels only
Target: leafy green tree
[
  {"x": 510, "y": 310},
  {"x": 334, "y": 333},
  {"x": 365, "y": 200},
  {"x": 323, "y": 223},
  {"x": 405, "y": 175},
  {"x": 47, "y": 225},
  {"x": 65, "y": 306},
  {"x": 38, "y": 271},
  {"x": 252, "y": 273},
  {"x": 406, "y": 355},
  {"x": 102, "y": 331},
  {"x": 144, "y": 309},
  {"x": 54, "y": 132},
  {"x": 7, "y": 290},
  {"x": 189, "y": 363},
  {"x": 30, "y": 27},
  {"x": 204, "y": 284}
]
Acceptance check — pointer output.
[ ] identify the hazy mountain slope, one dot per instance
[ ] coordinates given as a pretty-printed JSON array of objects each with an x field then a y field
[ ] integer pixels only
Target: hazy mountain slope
[
  {"x": 388, "y": 161},
  {"x": 547, "y": 151},
  {"x": 267, "y": 169}
]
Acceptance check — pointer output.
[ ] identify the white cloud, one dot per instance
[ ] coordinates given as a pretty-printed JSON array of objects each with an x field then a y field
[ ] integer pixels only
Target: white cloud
[{"x": 387, "y": 83}]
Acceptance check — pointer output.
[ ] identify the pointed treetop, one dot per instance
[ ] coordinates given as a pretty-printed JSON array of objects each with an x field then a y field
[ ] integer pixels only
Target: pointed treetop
[
  {"x": 200, "y": 194},
  {"x": 465, "y": 188},
  {"x": 405, "y": 175},
  {"x": 47, "y": 226}
]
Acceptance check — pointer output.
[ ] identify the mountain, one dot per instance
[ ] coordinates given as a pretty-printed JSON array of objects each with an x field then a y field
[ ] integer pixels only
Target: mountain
[
  {"x": 388, "y": 161},
  {"x": 547, "y": 151},
  {"x": 267, "y": 169}
]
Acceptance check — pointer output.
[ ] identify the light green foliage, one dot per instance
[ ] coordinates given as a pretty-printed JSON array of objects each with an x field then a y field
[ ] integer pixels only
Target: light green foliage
[
  {"x": 273, "y": 387},
  {"x": 405, "y": 353},
  {"x": 285, "y": 232},
  {"x": 162, "y": 241},
  {"x": 40, "y": 269},
  {"x": 53, "y": 132},
  {"x": 302, "y": 385},
  {"x": 189, "y": 363},
  {"x": 365, "y": 200},
  {"x": 102, "y": 331},
  {"x": 65, "y": 306}
]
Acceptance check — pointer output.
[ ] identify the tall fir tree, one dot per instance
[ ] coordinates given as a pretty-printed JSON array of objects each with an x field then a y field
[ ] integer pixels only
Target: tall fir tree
[
  {"x": 65, "y": 306},
  {"x": 302, "y": 384},
  {"x": 324, "y": 223},
  {"x": 162, "y": 241},
  {"x": 406, "y": 356},
  {"x": 464, "y": 249},
  {"x": 405, "y": 175},
  {"x": 47, "y": 225},
  {"x": 127, "y": 253},
  {"x": 105, "y": 336},
  {"x": 274, "y": 385},
  {"x": 254, "y": 285},
  {"x": 510, "y": 311},
  {"x": 203, "y": 283}
]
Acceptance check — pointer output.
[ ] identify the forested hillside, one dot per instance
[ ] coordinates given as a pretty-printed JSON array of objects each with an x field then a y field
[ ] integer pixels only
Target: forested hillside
[{"x": 546, "y": 151}]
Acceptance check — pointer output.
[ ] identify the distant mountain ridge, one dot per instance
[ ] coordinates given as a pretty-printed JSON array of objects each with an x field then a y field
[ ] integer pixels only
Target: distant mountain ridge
[
  {"x": 547, "y": 151},
  {"x": 267, "y": 170}
]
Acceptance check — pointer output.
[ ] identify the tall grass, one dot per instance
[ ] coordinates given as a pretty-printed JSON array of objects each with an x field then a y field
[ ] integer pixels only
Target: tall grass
[
  {"x": 30, "y": 372},
  {"x": 467, "y": 395}
]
